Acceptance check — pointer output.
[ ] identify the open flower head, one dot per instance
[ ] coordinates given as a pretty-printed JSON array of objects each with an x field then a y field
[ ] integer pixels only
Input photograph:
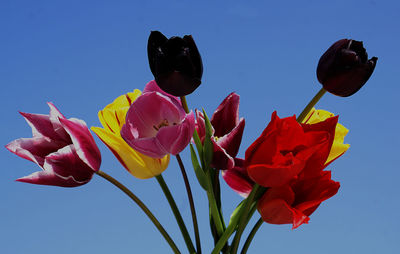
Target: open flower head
[
  {"x": 286, "y": 148},
  {"x": 228, "y": 131},
  {"x": 112, "y": 117},
  {"x": 157, "y": 125},
  {"x": 63, "y": 148}
]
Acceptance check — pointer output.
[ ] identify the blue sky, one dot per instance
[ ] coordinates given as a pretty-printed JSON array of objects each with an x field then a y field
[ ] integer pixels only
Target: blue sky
[{"x": 80, "y": 55}]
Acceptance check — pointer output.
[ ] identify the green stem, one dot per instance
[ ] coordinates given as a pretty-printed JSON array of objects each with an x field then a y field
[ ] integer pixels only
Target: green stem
[
  {"x": 142, "y": 206},
  {"x": 243, "y": 219},
  {"x": 191, "y": 202},
  {"x": 251, "y": 236},
  {"x": 217, "y": 194},
  {"x": 229, "y": 230},
  {"x": 184, "y": 104},
  {"x": 210, "y": 193},
  {"x": 177, "y": 214},
  {"x": 213, "y": 206},
  {"x": 196, "y": 137},
  {"x": 310, "y": 105}
]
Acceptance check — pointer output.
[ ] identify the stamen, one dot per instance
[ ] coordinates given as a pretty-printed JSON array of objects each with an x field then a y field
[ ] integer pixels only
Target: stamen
[{"x": 162, "y": 124}]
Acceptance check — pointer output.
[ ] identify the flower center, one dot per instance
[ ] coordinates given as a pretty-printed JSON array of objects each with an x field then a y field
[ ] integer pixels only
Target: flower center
[
  {"x": 294, "y": 152},
  {"x": 162, "y": 124}
]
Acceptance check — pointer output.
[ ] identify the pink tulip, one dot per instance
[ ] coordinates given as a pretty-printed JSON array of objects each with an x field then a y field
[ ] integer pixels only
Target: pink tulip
[
  {"x": 156, "y": 124},
  {"x": 63, "y": 148},
  {"x": 228, "y": 131}
]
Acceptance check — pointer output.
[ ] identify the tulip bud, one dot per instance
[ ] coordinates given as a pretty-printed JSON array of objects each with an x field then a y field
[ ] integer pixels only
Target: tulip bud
[
  {"x": 344, "y": 68},
  {"x": 175, "y": 63}
]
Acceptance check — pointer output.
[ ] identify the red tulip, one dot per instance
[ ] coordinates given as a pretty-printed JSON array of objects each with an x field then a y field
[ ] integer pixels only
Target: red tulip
[
  {"x": 287, "y": 149},
  {"x": 63, "y": 148},
  {"x": 292, "y": 203}
]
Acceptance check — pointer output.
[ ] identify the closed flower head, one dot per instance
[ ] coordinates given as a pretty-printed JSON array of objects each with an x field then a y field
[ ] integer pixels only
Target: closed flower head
[
  {"x": 344, "y": 68},
  {"x": 175, "y": 63}
]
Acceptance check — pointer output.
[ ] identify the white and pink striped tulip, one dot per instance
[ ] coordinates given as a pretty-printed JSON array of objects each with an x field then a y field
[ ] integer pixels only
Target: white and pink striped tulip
[{"x": 63, "y": 148}]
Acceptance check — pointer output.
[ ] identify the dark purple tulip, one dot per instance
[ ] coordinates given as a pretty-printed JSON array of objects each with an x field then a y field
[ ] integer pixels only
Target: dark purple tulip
[
  {"x": 175, "y": 63},
  {"x": 344, "y": 68}
]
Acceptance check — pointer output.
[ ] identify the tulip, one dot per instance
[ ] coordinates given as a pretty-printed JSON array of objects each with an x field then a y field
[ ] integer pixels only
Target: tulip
[
  {"x": 112, "y": 117},
  {"x": 287, "y": 149},
  {"x": 344, "y": 68},
  {"x": 228, "y": 131},
  {"x": 338, "y": 148},
  {"x": 175, "y": 63},
  {"x": 238, "y": 179},
  {"x": 63, "y": 148},
  {"x": 293, "y": 203},
  {"x": 157, "y": 125}
]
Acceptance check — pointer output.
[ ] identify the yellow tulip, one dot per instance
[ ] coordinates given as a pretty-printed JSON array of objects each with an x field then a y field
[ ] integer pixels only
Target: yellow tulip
[
  {"x": 112, "y": 117},
  {"x": 338, "y": 148}
]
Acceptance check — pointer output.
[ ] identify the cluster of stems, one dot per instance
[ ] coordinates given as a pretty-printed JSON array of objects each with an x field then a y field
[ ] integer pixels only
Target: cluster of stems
[{"x": 209, "y": 179}]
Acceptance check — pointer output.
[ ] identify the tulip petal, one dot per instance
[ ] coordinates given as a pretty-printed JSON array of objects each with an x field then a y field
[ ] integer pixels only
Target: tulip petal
[
  {"x": 112, "y": 117},
  {"x": 139, "y": 165},
  {"x": 153, "y": 87},
  {"x": 62, "y": 168},
  {"x": 175, "y": 138},
  {"x": 34, "y": 149},
  {"x": 231, "y": 141},
  {"x": 41, "y": 125},
  {"x": 275, "y": 207},
  {"x": 65, "y": 163},
  {"x": 226, "y": 117},
  {"x": 313, "y": 191},
  {"x": 148, "y": 146},
  {"x": 338, "y": 146},
  {"x": 83, "y": 141},
  {"x": 238, "y": 179},
  {"x": 320, "y": 135},
  {"x": 275, "y": 175},
  {"x": 54, "y": 115},
  {"x": 221, "y": 159},
  {"x": 49, "y": 178}
]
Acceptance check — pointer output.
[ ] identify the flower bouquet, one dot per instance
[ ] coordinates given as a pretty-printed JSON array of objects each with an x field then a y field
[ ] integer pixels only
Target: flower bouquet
[{"x": 283, "y": 176}]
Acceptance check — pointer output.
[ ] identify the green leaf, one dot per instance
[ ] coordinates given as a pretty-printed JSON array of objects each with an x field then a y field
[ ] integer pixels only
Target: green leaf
[
  {"x": 235, "y": 214},
  {"x": 201, "y": 177},
  {"x": 199, "y": 145},
  {"x": 208, "y": 145}
]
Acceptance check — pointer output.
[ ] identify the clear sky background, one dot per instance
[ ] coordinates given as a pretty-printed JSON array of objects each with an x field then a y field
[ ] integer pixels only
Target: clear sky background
[{"x": 80, "y": 55}]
